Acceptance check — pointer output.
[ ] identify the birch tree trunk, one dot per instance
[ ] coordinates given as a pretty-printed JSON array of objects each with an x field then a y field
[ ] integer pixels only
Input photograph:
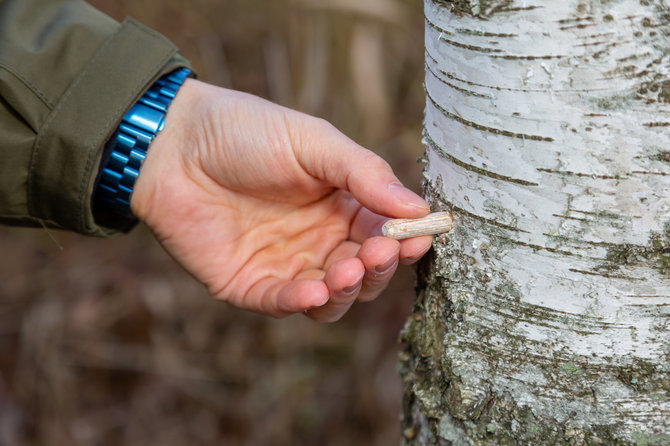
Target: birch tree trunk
[{"x": 544, "y": 317}]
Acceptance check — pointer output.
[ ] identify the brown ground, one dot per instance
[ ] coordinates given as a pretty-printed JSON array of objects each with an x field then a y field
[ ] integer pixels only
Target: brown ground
[{"x": 108, "y": 342}]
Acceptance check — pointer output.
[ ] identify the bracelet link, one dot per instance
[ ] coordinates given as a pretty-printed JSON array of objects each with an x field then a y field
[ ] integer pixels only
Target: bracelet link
[{"x": 129, "y": 145}]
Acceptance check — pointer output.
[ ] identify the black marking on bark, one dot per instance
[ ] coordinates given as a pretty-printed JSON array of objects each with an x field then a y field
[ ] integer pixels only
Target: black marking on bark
[
  {"x": 466, "y": 46},
  {"x": 484, "y": 220},
  {"x": 593, "y": 36},
  {"x": 633, "y": 57},
  {"x": 571, "y": 218},
  {"x": 450, "y": 205},
  {"x": 577, "y": 26},
  {"x": 662, "y": 156},
  {"x": 449, "y": 84},
  {"x": 644, "y": 296},
  {"x": 604, "y": 42},
  {"x": 498, "y": 88},
  {"x": 519, "y": 8},
  {"x": 515, "y": 57},
  {"x": 548, "y": 249},
  {"x": 656, "y": 124},
  {"x": 438, "y": 28},
  {"x": 578, "y": 174},
  {"x": 484, "y": 128},
  {"x": 599, "y": 244},
  {"x": 604, "y": 214},
  {"x": 511, "y": 355},
  {"x": 517, "y": 314},
  {"x": 640, "y": 172},
  {"x": 550, "y": 314},
  {"x": 475, "y": 32},
  {"x": 576, "y": 242},
  {"x": 606, "y": 275},
  {"x": 576, "y": 19},
  {"x": 492, "y": 52},
  {"x": 608, "y": 47},
  {"x": 443, "y": 153}
]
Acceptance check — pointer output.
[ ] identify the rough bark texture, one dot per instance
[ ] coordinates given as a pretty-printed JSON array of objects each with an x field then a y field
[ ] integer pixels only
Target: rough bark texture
[{"x": 544, "y": 317}]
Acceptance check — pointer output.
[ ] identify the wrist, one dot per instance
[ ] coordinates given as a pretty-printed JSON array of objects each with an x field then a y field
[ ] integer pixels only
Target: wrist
[
  {"x": 126, "y": 151},
  {"x": 159, "y": 184}
]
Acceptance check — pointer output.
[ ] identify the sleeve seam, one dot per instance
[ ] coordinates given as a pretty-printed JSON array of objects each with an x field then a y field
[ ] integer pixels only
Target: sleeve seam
[{"x": 32, "y": 87}]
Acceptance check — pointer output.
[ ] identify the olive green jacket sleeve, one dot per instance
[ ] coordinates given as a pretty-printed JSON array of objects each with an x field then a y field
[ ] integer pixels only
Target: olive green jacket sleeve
[{"x": 68, "y": 73}]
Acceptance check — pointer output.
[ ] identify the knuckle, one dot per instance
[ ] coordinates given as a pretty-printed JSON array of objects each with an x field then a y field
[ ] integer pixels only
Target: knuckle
[{"x": 323, "y": 124}]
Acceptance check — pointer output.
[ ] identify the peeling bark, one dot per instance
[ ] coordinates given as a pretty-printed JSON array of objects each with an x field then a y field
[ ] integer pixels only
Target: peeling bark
[{"x": 543, "y": 317}]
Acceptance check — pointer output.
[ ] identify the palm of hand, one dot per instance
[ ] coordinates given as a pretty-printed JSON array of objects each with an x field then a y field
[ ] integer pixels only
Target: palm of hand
[{"x": 247, "y": 209}]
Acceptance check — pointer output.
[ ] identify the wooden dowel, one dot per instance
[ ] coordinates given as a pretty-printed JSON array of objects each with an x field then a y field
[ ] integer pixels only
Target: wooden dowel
[{"x": 435, "y": 223}]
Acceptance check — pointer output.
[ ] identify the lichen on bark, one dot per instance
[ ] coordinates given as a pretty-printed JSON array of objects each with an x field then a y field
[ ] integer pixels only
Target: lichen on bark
[{"x": 481, "y": 8}]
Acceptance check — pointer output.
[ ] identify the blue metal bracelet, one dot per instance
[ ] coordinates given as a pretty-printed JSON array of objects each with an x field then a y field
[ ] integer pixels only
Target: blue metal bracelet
[{"x": 130, "y": 143}]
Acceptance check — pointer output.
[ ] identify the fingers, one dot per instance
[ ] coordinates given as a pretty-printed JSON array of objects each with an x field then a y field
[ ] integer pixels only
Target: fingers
[
  {"x": 344, "y": 279},
  {"x": 353, "y": 272},
  {"x": 380, "y": 255},
  {"x": 365, "y": 276},
  {"x": 328, "y": 155},
  {"x": 283, "y": 297},
  {"x": 356, "y": 272}
]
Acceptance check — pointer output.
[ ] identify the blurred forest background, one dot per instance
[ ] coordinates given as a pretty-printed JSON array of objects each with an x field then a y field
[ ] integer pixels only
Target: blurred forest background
[{"x": 109, "y": 342}]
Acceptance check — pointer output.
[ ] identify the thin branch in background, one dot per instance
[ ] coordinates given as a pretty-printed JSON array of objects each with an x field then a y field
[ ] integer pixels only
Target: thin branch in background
[{"x": 52, "y": 237}]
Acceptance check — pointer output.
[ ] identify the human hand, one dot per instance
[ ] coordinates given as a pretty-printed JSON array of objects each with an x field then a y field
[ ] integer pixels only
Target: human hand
[{"x": 273, "y": 210}]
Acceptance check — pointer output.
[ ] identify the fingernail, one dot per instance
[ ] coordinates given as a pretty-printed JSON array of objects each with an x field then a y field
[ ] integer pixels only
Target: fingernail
[
  {"x": 406, "y": 196},
  {"x": 386, "y": 266},
  {"x": 348, "y": 291},
  {"x": 355, "y": 287},
  {"x": 412, "y": 259}
]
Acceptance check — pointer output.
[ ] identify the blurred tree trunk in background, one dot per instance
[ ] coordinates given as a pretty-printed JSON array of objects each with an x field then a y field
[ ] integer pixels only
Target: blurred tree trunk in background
[{"x": 543, "y": 318}]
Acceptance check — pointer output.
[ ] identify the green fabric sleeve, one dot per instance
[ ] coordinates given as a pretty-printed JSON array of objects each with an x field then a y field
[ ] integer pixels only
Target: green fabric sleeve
[{"x": 68, "y": 73}]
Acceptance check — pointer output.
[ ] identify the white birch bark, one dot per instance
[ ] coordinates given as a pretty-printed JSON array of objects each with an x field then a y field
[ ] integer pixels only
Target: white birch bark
[{"x": 544, "y": 316}]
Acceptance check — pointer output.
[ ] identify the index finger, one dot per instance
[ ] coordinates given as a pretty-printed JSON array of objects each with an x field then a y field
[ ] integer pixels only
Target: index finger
[{"x": 327, "y": 154}]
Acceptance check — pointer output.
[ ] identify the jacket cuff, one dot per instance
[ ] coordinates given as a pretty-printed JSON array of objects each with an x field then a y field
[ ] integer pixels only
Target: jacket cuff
[{"x": 74, "y": 134}]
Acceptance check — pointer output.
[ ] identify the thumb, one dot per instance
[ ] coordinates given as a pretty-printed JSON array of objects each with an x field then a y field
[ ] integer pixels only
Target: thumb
[{"x": 330, "y": 156}]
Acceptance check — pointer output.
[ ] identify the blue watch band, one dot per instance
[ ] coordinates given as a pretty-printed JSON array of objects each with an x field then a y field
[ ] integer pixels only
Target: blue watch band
[{"x": 128, "y": 147}]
